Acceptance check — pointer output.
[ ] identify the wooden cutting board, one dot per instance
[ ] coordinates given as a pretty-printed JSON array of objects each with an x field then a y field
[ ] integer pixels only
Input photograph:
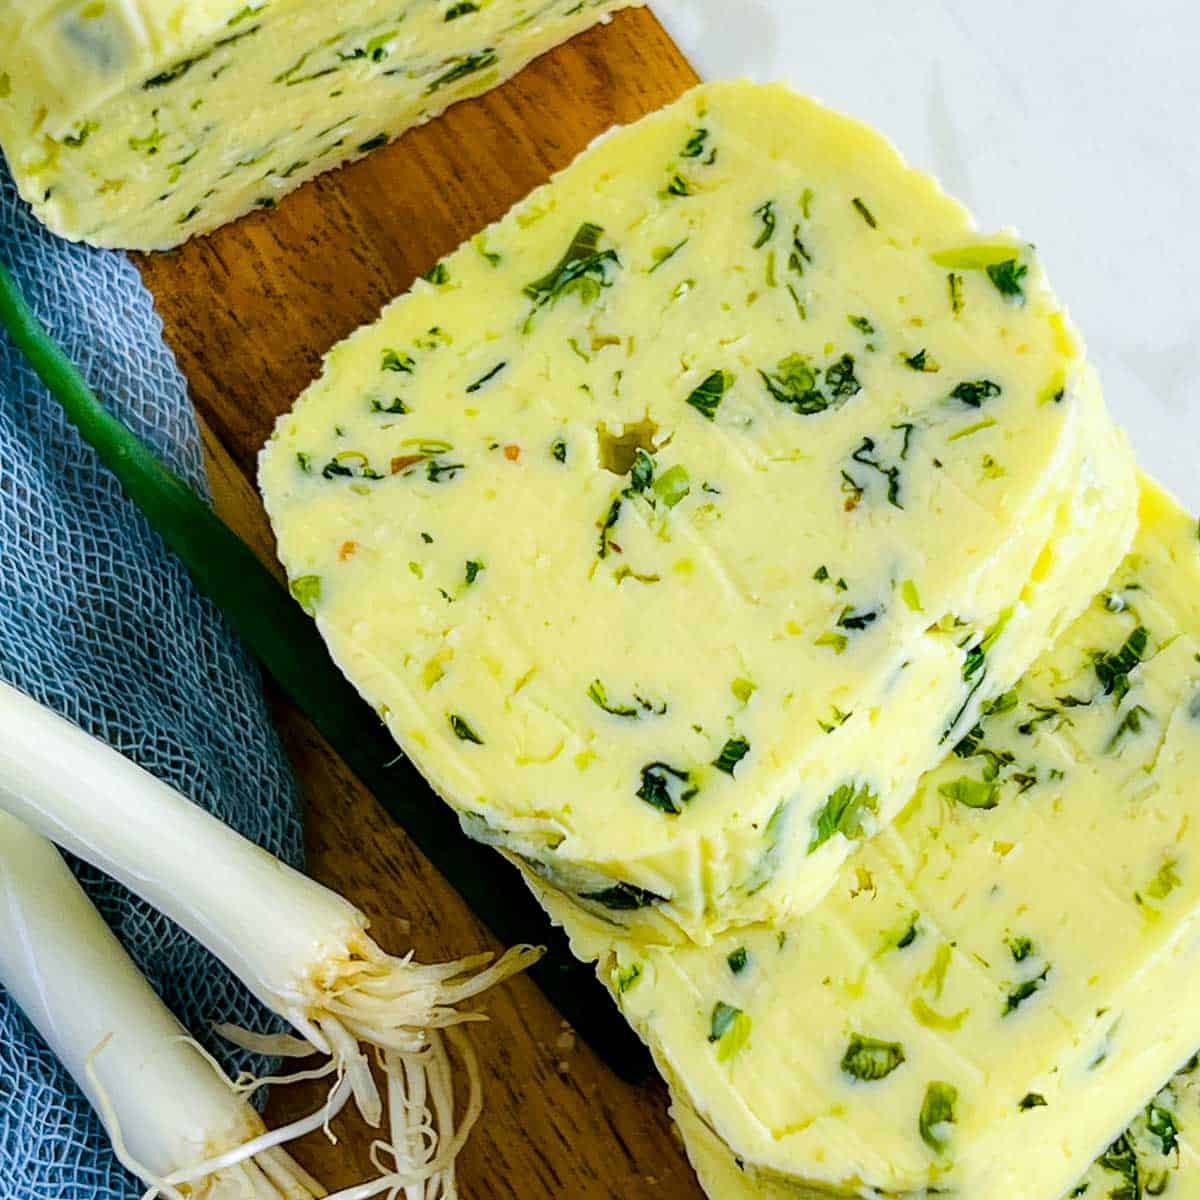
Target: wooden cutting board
[{"x": 249, "y": 312}]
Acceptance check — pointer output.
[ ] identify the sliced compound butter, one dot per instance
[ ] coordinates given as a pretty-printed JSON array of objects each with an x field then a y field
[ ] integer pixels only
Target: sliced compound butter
[
  {"x": 692, "y": 511},
  {"x": 996, "y": 984},
  {"x": 1157, "y": 1155},
  {"x": 139, "y": 123}
]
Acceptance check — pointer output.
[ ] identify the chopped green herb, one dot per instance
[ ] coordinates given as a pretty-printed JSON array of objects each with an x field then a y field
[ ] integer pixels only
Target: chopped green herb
[
  {"x": 868, "y": 1059},
  {"x": 438, "y": 274},
  {"x": 397, "y": 407},
  {"x": 864, "y": 212},
  {"x": 483, "y": 379},
  {"x": 695, "y": 144},
  {"x": 766, "y": 214},
  {"x": 910, "y": 595},
  {"x": 838, "y": 719},
  {"x": 641, "y": 474},
  {"x": 461, "y": 9},
  {"x": 678, "y": 186},
  {"x": 435, "y": 470},
  {"x": 178, "y": 71},
  {"x": 732, "y": 753},
  {"x": 1165, "y": 881},
  {"x": 467, "y": 65},
  {"x": 1130, "y": 723},
  {"x": 1161, "y": 1124},
  {"x": 482, "y": 248},
  {"x": 81, "y": 135},
  {"x": 798, "y": 255},
  {"x": 598, "y": 695},
  {"x": 583, "y": 270},
  {"x": 307, "y": 591},
  {"x": 1007, "y": 276},
  {"x": 665, "y": 253},
  {"x": 665, "y": 787},
  {"x": 907, "y": 934},
  {"x": 1019, "y": 947},
  {"x": 852, "y": 618},
  {"x": 607, "y": 522},
  {"x": 1023, "y": 991},
  {"x": 730, "y": 1028},
  {"x": 973, "y": 661},
  {"x": 971, "y": 793},
  {"x": 865, "y": 454},
  {"x": 352, "y": 464},
  {"x": 463, "y": 731},
  {"x": 1113, "y": 669},
  {"x": 795, "y": 384},
  {"x": 1031, "y": 1100},
  {"x": 706, "y": 398},
  {"x": 626, "y": 977},
  {"x": 1121, "y": 1159},
  {"x": 861, "y": 324},
  {"x": 558, "y": 450},
  {"x": 737, "y": 960},
  {"x": 838, "y": 641},
  {"x": 921, "y": 361},
  {"x": 973, "y": 392},
  {"x": 673, "y": 485},
  {"x": 843, "y": 812},
  {"x": 955, "y": 284},
  {"x": 937, "y": 1109},
  {"x": 840, "y": 378},
  {"x": 393, "y": 361},
  {"x": 742, "y": 689},
  {"x": 623, "y": 897},
  {"x": 473, "y": 569},
  {"x": 373, "y": 143}
]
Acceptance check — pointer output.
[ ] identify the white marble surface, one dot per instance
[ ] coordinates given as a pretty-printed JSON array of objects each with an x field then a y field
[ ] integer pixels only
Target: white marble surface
[{"x": 1077, "y": 121}]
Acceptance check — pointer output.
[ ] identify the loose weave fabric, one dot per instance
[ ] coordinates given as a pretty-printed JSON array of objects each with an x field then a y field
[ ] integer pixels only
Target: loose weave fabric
[{"x": 100, "y": 622}]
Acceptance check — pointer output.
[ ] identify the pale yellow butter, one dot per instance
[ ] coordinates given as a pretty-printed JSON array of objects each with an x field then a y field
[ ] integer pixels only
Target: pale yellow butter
[
  {"x": 697, "y": 508},
  {"x": 1157, "y": 1155},
  {"x": 139, "y": 123},
  {"x": 997, "y": 983}
]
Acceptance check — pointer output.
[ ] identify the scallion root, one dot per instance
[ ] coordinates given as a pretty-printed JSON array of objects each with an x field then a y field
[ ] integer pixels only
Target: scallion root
[{"x": 409, "y": 1015}]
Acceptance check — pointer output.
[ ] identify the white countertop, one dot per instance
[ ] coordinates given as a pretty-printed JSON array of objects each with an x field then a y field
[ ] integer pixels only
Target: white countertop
[{"x": 1076, "y": 121}]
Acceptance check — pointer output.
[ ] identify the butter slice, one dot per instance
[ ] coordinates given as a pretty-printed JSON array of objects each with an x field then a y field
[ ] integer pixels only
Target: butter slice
[
  {"x": 1158, "y": 1153},
  {"x": 139, "y": 123},
  {"x": 1019, "y": 947},
  {"x": 696, "y": 509}
]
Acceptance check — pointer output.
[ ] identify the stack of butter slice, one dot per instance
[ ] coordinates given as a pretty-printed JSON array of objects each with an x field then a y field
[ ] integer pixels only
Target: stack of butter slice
[
  {"x": 687, "y": 525},
  {"x": 997, "y": 983},
  {"x": 700, "y": 506},
  {"x": 144, "y": 122}
]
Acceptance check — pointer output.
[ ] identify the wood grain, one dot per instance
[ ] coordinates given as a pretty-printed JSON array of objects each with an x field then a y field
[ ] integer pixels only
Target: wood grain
[{"x": 249, "y": 312}]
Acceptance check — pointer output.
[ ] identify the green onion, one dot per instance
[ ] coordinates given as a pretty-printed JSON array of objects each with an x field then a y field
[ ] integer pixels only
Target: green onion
[
  {"x": 173, "y": 1120},
  {"x": 284, "y": 639}
]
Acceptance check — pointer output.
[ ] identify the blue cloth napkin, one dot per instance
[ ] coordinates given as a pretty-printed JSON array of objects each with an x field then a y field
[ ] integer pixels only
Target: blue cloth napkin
[{"x": 101, "y": 623}]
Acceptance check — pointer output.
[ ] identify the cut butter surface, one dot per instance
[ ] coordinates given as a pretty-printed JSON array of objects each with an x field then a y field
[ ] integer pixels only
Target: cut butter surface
[
  {"x": 694, "y": 509},
  {"x": 139, "y": 123},
  {"x": 1157, "y": 1155},
  {"x": 995, "y": 985}
]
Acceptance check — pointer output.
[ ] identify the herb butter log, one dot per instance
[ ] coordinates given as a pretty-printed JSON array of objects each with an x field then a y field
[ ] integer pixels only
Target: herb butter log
[
  {"x": 996, "y": 984},
  {"x": 693, "y": 510},
  {"x": 140, "y": 123}
]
